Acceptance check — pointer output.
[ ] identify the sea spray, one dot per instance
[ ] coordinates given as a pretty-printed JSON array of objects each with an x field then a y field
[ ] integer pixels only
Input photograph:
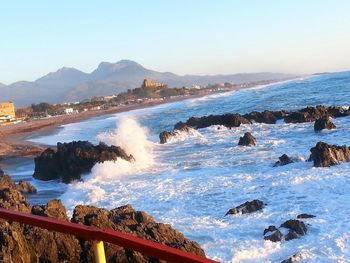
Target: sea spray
[{"x": 133, "y": 139}]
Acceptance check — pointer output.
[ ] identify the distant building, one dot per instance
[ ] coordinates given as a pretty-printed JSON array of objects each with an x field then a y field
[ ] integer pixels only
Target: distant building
[
  {"x": 68, "y": 110},
  {"x": 148, "y": 83},
  {"x": 7, "y": 112}
]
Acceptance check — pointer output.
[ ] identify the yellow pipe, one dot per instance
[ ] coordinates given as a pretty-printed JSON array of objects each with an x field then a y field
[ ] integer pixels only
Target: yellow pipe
[{"x": 99, "y": 252}]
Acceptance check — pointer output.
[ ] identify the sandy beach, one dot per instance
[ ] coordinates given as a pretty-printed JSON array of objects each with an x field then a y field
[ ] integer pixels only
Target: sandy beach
[{"x": 13, "y": 137}]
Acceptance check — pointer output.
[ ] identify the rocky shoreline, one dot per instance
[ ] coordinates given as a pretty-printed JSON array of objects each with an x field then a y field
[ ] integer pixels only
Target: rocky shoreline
[{"x": 26, "y": 244}]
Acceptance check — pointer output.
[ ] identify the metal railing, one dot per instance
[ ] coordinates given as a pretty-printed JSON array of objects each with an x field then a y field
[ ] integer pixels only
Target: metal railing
[{"x": 98, "y": 236}]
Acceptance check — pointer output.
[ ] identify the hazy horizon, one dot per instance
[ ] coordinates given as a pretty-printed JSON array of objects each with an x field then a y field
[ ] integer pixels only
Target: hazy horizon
[{"x": 199, "y": 38}]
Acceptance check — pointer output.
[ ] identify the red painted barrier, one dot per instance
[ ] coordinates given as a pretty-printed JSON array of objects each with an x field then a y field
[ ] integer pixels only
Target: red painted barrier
[{"x": 146, "y": 247}]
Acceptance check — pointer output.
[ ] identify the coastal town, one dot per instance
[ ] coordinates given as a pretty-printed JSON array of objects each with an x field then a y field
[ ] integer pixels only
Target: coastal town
[{"x": 149, "y": 93}]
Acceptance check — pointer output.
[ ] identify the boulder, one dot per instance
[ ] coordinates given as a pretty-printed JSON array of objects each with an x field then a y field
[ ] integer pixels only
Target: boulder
[
  {"x": 275, "y": 236},
  {"x": 73, "y": 159},
  {"x": 247, "y": 207},
  {"x": 325, "y": 155},
  {"x": 247, "y": 140},
  {"x": 164, "y": 136},
  {"x": 295, "y": 258},
  {"x": 323, "y": 123},
  {"x": 308, "y": 114},
  {"x": 261, "y": 117},
  {"x": 283, "y": 160},
  {"x": 296, "y": 225},
  {"x": 305, "y": 216},
  {"x": 127, "y": 220},
  {"x": 229, "y": 120},
  {"x": 1, "y": 172}
]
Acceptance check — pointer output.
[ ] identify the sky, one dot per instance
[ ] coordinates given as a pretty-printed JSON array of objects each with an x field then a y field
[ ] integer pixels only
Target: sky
[{"x": 182, "y": 36}]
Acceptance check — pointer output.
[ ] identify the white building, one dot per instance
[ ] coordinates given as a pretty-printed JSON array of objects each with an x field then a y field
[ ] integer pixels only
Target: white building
[{"x": 68, "y": 110}]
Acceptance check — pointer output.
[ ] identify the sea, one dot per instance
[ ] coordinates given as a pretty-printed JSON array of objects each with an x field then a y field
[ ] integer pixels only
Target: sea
[{"x": 192, "y": 181}]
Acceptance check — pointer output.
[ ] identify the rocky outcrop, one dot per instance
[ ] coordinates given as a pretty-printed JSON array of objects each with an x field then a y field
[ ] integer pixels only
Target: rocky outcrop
[
  {"x": 22, "y": 186},
  {"x": 310, "y": 114},
  {"x": 296, "y": 229},
  {"x": 127, "y": 220},
  {"x": 229, "y": 120},
  {"x": 283, "y": 160},
  {"x": 325, "y": 155},
  {"x": 247, "y": 207},
  {"x": 165, "y": 136},
  {"x": 295, "y": 258},
  {"x": 26, "y": 244},
  {"x": 305, "y": 216},
  {"x": 324, "y": 123},
  {"x": 247, "y": 140},
  {"x": 73, "y": 159},
  {"x": 268, "y": 117}
]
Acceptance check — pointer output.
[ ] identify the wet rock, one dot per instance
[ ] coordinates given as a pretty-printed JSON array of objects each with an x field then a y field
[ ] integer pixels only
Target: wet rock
[
  {"x": 1, "y": 172},
  {"x": 291, "y": 235},
  {"x": 297, "y": 226},
  {"x": 283, "y": 160},
  {"x": 229, "y": 120},
  {"x": 305, "y": 216},
  {"x": 337, "y": 112},
  {"x": 247, "y": 140},
  {"x": 323, "y": 123},
  {"x": 325, "y": 155},
  {"x": 295, "y": 258},
  {"x": 247, "y": 207},
  {"x": 275, "y": 236},
  {"x": 165, "y": 136},
  {"x": 73, "y": 159},
  {"x": 308, "y": 114},
  {"x": 261, "y": 117},
  {"x": 271, "y": 228},
  {"x": 127, "y": 220}
]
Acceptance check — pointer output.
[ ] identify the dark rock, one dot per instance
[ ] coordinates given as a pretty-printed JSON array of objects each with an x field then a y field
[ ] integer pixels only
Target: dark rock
[
  {"x": 295, "y": 258},
  {"x": 276, "y": 236},
  {"x": 280, "y": 114},
  {"x": 324, "y": 123},
  {"x": 270, "y": 229},
  {"x": 283, "y": 160},
  {"x": 291, "y": 235},
  {"x": 304, "y": 216},
  {"x": 228, "y": 120},
  {"x": 247, "y": 140},
  {"x": 308, "y": 114},
  {"x": 261, "y": 117},
  {"x": 166, "y": 135},
  {"x": 325, "y": 155},
  {"x": 247, "y": 207},
  {"x": 295, "y": 225},
  {"x": 127, "y": 220},
  {"x": 336, "y": 111},
  {"x": 1, "y": 172},
  {"x": 73, "y": 159}
]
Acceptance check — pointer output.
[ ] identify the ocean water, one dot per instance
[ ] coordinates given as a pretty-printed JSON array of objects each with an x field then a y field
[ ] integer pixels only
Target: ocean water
[{"x": 195, "y": 179}]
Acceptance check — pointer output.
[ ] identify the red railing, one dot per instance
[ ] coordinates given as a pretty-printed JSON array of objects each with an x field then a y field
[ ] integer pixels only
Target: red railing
[{"x": 146, "y": 247}]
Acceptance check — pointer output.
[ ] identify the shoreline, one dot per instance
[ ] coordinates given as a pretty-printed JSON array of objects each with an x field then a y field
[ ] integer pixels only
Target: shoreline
[{"x": 14, "y": 137}]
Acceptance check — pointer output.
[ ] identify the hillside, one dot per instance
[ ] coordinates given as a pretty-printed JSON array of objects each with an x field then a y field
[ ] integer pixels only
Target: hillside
[{"x": 70, "y": 84}]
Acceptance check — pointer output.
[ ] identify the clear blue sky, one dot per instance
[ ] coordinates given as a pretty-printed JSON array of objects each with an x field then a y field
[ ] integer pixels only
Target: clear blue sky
[{"x": 182, "y": 36}]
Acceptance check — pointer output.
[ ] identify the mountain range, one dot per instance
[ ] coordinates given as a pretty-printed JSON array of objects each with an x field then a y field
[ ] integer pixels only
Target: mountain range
[{"x": 70, "y": 84}]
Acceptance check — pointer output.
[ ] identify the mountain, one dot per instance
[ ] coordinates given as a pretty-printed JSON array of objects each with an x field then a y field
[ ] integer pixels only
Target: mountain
[{"x": 70, "y": 84}]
